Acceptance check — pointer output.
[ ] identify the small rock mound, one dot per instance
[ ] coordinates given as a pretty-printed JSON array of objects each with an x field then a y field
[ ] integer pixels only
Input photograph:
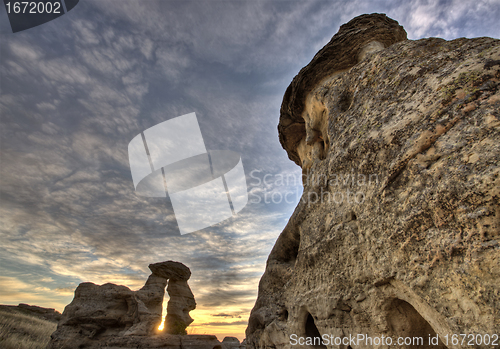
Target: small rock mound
[
  {"x": 232, "y": 343},
  {"x": 49, "y": 314}
]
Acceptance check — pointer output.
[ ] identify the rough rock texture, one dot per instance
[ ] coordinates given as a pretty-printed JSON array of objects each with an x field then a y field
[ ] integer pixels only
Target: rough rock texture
[
  {"x": 397, "y": 231},
  {"x": 49, "y": 314},
  {"x": 362, "y": 35},
  {"x": 115, "y": 314},
  {"x": 171, "y": 270}
]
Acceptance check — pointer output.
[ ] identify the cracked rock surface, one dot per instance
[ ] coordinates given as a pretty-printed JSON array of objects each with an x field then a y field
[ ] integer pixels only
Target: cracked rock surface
[{"x": 397, "y": 232}]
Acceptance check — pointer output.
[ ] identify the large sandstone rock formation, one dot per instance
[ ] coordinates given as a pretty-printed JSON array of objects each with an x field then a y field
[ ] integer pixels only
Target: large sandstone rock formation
[
  {"x": 397, "y": 231},
  {"x": 114, "y": 316}
]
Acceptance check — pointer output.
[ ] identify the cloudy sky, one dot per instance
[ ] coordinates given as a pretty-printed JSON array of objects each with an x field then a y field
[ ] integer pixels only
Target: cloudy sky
[{"x": 75, "y": 91}]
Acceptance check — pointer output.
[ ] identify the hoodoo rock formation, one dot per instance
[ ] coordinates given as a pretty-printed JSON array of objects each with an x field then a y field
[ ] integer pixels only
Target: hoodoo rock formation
[
  {"x": 397, "y": 231},
  {"x": 114, "y": 316},
  {"x": 181, "y": 300}
]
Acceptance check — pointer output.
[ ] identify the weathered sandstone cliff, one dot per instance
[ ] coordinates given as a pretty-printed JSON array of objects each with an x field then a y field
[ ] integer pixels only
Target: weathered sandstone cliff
[{"x": 397, "y": 231}]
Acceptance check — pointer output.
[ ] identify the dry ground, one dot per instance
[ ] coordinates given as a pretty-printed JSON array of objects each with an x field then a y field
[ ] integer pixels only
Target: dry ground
[{"x": 21, "y": 331}]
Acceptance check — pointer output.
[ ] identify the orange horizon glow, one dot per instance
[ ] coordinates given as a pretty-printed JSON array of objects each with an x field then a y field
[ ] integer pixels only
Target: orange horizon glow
[{"x": 205, "y": 323}]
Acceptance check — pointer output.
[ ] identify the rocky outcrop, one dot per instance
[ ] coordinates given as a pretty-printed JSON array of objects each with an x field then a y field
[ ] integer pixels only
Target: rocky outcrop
[
  {"x": 232, "y": 343},
  {"x": 111, "y": 315},
  {"x": 181, "y": 300},
  {"x": 49, "y": 314},
  {"x": 356, "y": 39},
  {"x": 397, "y": 232}
]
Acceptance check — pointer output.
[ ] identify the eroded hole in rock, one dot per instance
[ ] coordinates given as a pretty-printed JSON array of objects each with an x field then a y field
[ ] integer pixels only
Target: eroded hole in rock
[
  {"x": 316, "y": 142},
  {"x": 345, "y": 101},
  {"x": 405, "y": 321},
  {"x": 349, "y": 216},
  {"x": 313, "y": 332},
  {"x": 283, "y": 315},
  {"x": 321, "y": 150}
]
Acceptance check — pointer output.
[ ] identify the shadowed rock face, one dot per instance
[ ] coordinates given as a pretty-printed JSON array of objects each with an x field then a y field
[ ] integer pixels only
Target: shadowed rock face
[
  {"x": 116, "y": 316},
  {"x": 109, "y": 310},
  {"x": 171, "y": 270},
  {"x": 181, "y": 302},
  {"x": 398, "y": 227}
]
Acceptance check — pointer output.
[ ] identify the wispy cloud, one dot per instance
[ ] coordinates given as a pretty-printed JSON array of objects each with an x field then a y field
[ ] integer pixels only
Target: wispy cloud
[
  {"x": 226, "y": 315},
  {"x": 13, "y": 290}
]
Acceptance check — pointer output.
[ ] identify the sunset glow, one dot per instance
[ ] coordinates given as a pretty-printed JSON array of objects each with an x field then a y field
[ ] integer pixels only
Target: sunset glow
[
  {"x": 219, "y": 321},
  {"x": 162, "y": 325}
]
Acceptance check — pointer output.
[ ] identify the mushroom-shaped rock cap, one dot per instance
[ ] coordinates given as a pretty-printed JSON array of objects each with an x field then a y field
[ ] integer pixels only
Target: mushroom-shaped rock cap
[
  {"x": 171, "y": 270},
  {"x": 341, "y": 53}
]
